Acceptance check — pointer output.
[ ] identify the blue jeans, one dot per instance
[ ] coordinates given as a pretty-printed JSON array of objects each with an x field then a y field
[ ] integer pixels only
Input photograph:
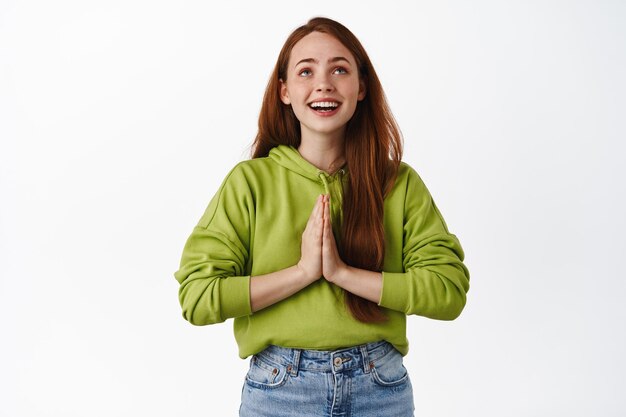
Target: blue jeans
[{"x": 362, "y": 381}]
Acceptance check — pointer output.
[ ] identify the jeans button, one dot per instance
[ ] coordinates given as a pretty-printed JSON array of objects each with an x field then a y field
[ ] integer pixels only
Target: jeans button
[{"x": 337, "y": 361}]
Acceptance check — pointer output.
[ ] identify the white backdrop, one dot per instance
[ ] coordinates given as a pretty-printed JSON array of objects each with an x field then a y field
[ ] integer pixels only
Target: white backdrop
[{"x": 119, "y": 120}]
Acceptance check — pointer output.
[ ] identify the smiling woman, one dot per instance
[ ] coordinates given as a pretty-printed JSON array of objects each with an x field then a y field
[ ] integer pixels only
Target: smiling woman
[
  {"x": 322, "y": 81},
  {"x": 320, "y": 245}
]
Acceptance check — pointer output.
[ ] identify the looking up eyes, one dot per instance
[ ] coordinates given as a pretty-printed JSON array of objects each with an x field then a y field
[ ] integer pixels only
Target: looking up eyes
[{"x": 307, "y": 72}]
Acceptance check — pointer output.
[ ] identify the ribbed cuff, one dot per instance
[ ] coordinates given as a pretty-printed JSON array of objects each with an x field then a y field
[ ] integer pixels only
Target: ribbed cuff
[
  {"x": 235, "y": 297},
  {"x": 395, "y": 291}
]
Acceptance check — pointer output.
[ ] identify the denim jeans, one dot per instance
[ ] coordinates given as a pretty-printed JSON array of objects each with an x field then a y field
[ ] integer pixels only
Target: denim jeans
[{"x": 362, "y": 381}]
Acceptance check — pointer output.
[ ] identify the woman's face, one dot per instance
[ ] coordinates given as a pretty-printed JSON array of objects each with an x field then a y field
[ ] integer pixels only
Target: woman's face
[{"x": 322, "y": 85}]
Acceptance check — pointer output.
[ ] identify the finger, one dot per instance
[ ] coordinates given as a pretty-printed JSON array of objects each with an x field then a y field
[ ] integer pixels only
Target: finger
[
  {"x": 315, "y": 211},
  {"x": 320, "y": 206},
  {"x": 327, "y": 208},
  {"x": 327, "y": 225},
  {"x": 324, "y": 206},
  {"x": 318, "y": 217}
]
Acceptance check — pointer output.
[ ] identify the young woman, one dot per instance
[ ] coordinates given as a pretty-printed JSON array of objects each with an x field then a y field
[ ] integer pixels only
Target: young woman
[{"x": 322, "y": 243}]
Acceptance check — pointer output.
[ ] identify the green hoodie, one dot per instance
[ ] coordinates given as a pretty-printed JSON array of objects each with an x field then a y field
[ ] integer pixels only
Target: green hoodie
[{"x": 254, "y": 225}]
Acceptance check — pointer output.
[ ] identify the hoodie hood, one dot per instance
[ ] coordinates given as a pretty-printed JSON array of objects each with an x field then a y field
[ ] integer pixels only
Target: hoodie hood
[{"x": 289, "y": 158}]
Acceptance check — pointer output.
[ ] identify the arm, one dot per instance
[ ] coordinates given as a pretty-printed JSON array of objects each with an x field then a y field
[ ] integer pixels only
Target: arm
[
  {"x": 434, "y": 284},
  {"x": 270, "y": 288},
  {"x": 364, "y": 283},
  {"x": 213, "y": 284},
  {"x": 435, "y": 280},
  {"x": 212, "y": 274}
]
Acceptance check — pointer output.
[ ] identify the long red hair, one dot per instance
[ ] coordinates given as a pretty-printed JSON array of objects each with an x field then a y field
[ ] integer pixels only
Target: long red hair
[{"x": 373, "y": 151}]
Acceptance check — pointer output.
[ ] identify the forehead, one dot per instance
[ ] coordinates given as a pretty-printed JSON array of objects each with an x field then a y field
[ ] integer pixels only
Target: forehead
[{"x": 319, "y": 46}]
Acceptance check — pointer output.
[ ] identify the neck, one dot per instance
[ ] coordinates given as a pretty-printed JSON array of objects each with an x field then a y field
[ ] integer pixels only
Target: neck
[{"x": 325, "y": 152}]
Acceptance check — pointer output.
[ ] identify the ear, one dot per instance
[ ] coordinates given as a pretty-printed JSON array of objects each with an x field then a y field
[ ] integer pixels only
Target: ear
[
  {"x": 362, "y": 90},
  {"x": 284, "y": 94}
]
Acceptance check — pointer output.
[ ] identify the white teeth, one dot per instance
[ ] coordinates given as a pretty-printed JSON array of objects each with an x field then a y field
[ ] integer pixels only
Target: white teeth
[{"x": 325, "y": 104}]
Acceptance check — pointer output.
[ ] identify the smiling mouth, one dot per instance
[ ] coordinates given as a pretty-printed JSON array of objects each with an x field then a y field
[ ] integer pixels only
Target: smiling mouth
[{"x": 324, "y": 106}]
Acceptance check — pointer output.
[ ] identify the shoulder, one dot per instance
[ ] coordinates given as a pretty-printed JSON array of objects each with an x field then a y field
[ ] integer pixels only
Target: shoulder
[
  {"x": 405, "y": 170},
  {"x": 249, "y": 170},
  {"x": 251, "y": 177},
  {"x": 237, "y": 191},
  {"x": 408, "y": 178},
  {"x": 408, "y": 191},
  {"x": 255, "y": 166}
]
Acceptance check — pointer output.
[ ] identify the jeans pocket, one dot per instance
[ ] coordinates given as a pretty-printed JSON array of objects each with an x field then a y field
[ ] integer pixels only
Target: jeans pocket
[
  {"x": 389, "y": 371},
  {"x": 265, "y": 374}
]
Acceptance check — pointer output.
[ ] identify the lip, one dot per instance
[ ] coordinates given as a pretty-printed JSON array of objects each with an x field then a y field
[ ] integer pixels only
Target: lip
[
  {"x": 327, "y": 113},
  {"x": 317, "y": 100}
]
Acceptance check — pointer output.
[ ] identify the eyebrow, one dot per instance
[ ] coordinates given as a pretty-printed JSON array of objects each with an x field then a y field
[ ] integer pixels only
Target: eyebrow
[{"x": 315, "y": 61}]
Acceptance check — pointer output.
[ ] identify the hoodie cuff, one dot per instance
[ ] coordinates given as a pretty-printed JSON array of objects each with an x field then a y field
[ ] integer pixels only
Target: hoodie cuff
[
  {"x": 235, "y": 297},
  {"x": 395, "y": 292}
]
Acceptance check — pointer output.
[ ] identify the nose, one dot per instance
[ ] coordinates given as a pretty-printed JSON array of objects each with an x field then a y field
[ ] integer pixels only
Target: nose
[{"x": 324, "y": 83}]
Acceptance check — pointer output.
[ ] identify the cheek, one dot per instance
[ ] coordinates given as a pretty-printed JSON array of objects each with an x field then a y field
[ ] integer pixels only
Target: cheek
[
  {"x": 352, "y": 89},
  {"x": 298, "y": 108},
  {"x": 298, "y": 91}
]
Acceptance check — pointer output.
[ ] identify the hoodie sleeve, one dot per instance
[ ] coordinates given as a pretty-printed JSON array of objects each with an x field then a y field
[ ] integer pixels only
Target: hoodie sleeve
[
  {"x": 213, "y": 284},
  {"x": 435, "y": 280}
]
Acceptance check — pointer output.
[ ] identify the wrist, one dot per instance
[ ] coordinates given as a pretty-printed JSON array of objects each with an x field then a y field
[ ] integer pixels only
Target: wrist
[
  {"x": 340, "y": 276},
  {"x": 302, "y": 275}
]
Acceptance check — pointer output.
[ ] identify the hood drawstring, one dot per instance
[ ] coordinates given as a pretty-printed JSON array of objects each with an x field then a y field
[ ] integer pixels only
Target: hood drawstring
[
  {"x": 336, "y": 198},
  {"x": 339, "y": 180},
  {"x": 289, "y": 158},
  {"x": 324, "y": 181}
]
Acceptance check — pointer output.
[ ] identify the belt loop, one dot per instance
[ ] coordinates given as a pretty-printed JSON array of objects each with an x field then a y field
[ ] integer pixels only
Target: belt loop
[
  {"x": 295, "y": 365},
  {"x": 366, "y": 361}
]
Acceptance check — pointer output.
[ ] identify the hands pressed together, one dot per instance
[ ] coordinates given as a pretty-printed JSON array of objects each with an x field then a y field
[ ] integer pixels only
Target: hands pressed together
[
  {"x": 319, "y": 257},
  {"x": 319, "y": 254}
]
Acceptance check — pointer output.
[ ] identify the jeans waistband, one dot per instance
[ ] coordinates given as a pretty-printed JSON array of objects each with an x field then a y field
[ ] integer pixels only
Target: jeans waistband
[{"x": 326, "y": 360}]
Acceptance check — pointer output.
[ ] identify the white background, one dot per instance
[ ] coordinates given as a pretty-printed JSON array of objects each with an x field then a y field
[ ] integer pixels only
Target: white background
[{"x": 119, "y": 120}]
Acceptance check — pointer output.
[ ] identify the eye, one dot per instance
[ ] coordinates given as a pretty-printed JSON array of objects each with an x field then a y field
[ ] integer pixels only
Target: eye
[
  {"x": 340, "y": 70},
  {"x": 304, "y": 72}
]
